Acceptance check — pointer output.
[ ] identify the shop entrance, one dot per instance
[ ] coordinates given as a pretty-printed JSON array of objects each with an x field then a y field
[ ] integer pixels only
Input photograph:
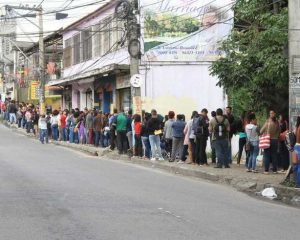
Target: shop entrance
[
  {"x": 107, "y": 100},
  {"x": 124, "y": 99}
]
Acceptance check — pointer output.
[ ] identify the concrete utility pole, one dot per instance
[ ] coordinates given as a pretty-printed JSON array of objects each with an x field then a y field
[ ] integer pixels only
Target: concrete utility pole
[
  {"x": 294, "y": 61},
  {"x": 134, "y": 50},
  {"x": 41, "y": 62}
]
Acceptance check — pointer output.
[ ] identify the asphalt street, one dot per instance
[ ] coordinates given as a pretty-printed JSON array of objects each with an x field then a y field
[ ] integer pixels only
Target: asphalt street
[{"x": 49, "y": 192}]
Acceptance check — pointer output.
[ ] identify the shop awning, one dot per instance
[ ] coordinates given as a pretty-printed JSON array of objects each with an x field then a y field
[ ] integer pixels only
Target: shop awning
[{"x": 103, "y": 70}]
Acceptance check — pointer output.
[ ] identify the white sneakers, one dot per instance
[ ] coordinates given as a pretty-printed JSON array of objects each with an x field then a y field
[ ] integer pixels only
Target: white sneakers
[{"x": 160, "y": 159}]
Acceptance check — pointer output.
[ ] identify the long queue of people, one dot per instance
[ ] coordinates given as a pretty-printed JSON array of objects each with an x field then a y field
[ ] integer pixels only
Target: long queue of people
[{"x": 152, "y": 136}]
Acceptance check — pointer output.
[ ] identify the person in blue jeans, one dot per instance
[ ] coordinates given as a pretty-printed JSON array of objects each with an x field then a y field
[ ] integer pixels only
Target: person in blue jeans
[
  {"x": 252, "y": 132},
  {"x": 296, "y": 166},
  {"x": 43, "y": 129},
  {"x": 271, "y": 127},
  {"x": 145, "y": 136},
  {"x": 154, "y": 126},
  {"x": 219, "y": 127}
]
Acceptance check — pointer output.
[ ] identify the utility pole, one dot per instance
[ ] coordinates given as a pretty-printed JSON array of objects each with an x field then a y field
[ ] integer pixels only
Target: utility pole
[
  {"x": 294, "y": 61},
  {"x": 41, "y": 62},
  {"x": 134, "y": 46}
]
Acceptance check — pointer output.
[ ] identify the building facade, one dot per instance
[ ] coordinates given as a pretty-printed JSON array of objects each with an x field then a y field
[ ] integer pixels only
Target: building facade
[{"x": 96, "y": 62}]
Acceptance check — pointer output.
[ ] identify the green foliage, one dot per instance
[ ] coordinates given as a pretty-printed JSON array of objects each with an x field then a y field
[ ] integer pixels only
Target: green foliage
[{"x": 254, "y": 72}]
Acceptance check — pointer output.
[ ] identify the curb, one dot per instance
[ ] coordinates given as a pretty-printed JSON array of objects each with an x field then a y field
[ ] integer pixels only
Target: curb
[{"x": 286, "y": 195}]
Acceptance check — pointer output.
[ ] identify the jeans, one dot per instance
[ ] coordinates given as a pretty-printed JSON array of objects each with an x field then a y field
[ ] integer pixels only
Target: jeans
[
  {"x": 54, "y": 130},
  {"x": 284, "y": 156},
  {"x": 296, "y": 167},
  {"x": 147, "y": 146},
  {"x": 43, "y": 135},
  {"x": 270, "y": 154},
  {"x": 221, "y": 146},
  {"x": 213, "y": 151},
  {"x": 184, "y": 152},
  {"x": 138, "y": 145},
  {"x": 12, "y": 118},
  {"x": 105, "y": 139},
  {"x": 29, "y": 126},
  {"x": 63, "y": 134},
  {"x": 155, "y": 146},
  {"x": 201, "y": 157},
  {"x": 19, "y": 122},
  {"x": 177, "y": 146},
  {"x": 193, "y": 145},
  {"x": 242, "y": 143},
  {"x": 130, "y": 140},
  {"x": 229, "y": 152},
  {"x": 71, "y": 134},
  {"x": 254, "y": 150},
  {"x": 98, "y": 137},
  {"x": 122, "y": 141},
  {"x": 112, "y": 135}
]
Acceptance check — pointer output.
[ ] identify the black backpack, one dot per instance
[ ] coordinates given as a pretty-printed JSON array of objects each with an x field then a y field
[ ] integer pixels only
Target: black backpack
[
  {"x": 200, "y": 127},
  {"x": 290, "y": 141},
  {"x": 220, "y": 129}
]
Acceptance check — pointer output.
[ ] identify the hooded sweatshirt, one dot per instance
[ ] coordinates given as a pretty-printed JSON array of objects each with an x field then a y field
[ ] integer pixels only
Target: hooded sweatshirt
[{"x": 252, "y": 132}]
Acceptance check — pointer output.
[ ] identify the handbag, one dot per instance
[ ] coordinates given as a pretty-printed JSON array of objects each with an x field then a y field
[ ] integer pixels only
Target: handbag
[
  {"x": 265, "y": 140},
  {"x": 157, "y": 132},
  {"x": 248, "y": 146}
]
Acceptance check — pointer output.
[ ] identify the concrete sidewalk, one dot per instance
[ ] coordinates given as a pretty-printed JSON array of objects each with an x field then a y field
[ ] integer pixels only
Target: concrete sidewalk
[{"x": 236, "y": 176}]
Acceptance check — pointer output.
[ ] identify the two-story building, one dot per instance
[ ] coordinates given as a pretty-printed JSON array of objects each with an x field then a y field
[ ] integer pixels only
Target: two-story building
[{"x": 96, "y": 62}]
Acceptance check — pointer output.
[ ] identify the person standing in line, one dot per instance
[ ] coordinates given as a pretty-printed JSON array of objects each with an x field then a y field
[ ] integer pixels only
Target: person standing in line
[
  {"x": 231, "y": 121},
  {"x": 296, "y": 167},
  {"x": 168, "y": 131},
  {"x": 54, "y": 125},
  {"x": 70, "y": 123},
  {"x": 62, "y": 126},
  {"x": 129, "y": 133},
  {"x": 213, "y": 149},
  {"x": 112, "y": 127},
  {"x": 190, "y": 138},
  {"x": 137, "y": 135},
  {"x": 177, "y": 138},
  {"x": 89, "y": 126},
  {"x": 219, "y": 127},
  {"x": 284, "y": 156},
  {"x": 12, "y": 110},
  {"x": 271, "y": 127},
  {"x": 200, "y": 127},
  {"x": 98, "y": 126},
  {"x": 121, "y": 133},
  {"x": 43, "y": 129},
  {"x": 252, "y": 133},
  {"x": 155, "y": 130},
  {"x": 145, "y": 136},
  {"x": 241, "y": 125}
]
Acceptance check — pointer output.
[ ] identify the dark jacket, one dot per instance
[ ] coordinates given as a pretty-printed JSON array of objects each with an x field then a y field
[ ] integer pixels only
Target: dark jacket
[
  {"x": 98, "y": 123},
  {"x": 144, "y": 130},
  {"x": 153, "y": 125}
]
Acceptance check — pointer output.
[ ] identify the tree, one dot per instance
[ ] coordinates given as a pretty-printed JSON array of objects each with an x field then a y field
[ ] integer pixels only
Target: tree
[{"x": 254, "y": 71}]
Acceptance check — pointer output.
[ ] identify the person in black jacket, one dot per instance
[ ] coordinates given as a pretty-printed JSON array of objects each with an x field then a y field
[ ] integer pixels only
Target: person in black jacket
[
  {"x": 145, "y": 136},
  {"x": 154, "y": 128}
]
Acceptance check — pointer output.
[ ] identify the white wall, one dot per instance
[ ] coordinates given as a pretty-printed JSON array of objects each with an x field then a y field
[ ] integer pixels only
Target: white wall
[{"x": 181, "y": 88}]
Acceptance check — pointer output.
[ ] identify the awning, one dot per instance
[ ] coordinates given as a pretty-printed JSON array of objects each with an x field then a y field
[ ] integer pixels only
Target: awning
[{"x": 86, "y": 75}]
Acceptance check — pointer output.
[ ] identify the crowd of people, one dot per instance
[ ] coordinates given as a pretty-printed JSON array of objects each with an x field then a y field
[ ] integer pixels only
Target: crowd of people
[{"x": 157, "y": 138}]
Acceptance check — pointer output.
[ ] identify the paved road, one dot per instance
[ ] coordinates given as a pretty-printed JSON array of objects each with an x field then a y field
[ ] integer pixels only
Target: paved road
[{"x": 48, "y": 192}]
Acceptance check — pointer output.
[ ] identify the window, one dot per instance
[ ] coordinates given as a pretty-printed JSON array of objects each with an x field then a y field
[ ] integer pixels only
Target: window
[
  {"x": 76, "y": 49},
  {"x": 68, "y": 53},
  {"x": 86, "y": 44},
  {"x": 97, "y": 40},
  {"x": 107, "y": 35}
]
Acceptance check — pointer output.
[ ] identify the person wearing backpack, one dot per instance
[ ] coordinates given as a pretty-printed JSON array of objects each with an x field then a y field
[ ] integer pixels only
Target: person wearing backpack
[
  {"x": 201, "y": 133},
  {"x": 219, "y": 128}
]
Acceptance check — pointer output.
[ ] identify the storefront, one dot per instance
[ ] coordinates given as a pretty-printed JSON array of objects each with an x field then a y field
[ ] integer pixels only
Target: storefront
[
  {"x": 105, "y": 93},
  {"x": 123, "y": 92}
]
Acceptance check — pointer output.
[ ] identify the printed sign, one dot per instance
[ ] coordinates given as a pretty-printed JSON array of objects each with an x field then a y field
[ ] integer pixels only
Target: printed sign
[
  {"x": 295, "y": 82},
  {"x": 185, "y": 30}
]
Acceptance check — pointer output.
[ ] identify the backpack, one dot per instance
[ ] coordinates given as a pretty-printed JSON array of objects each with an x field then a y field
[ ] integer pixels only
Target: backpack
[
  {"x": 200, "y": 127},
  {"x": 220, "y": 129},
  {"x": 290, "y": 141}
]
